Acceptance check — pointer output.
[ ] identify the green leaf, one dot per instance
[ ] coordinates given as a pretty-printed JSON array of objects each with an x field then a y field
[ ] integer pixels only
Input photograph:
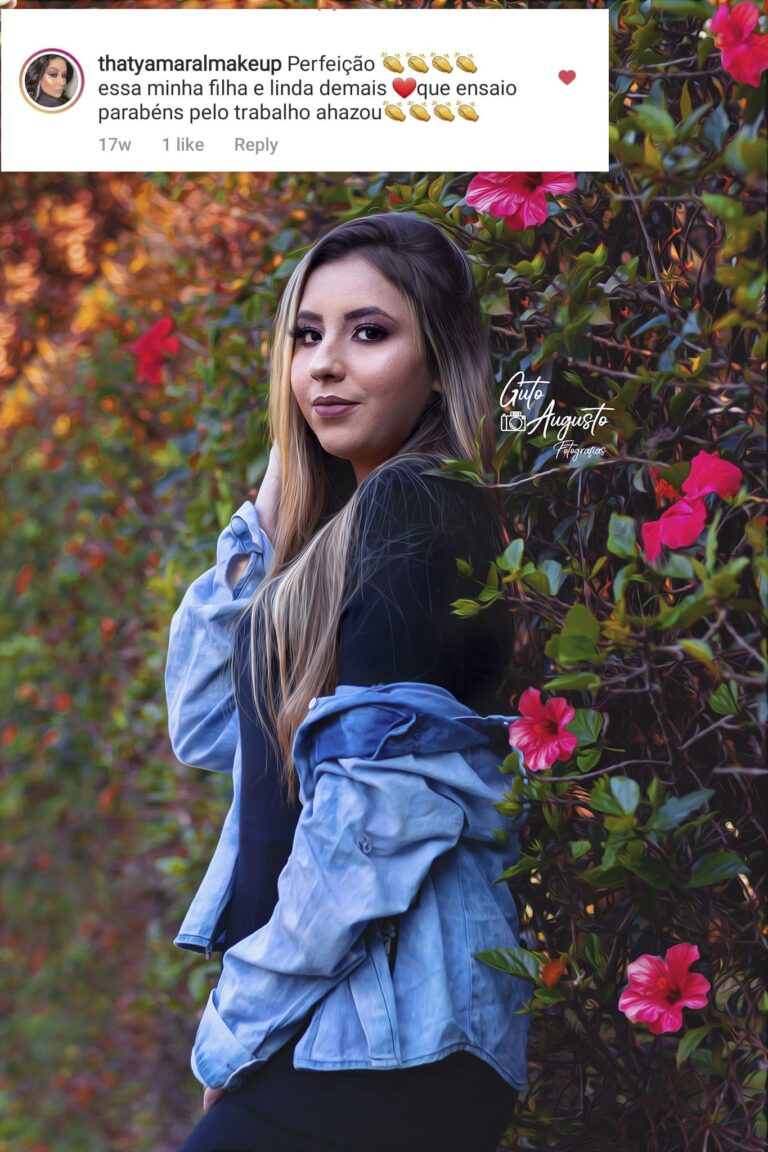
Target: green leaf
[
  {"x": 622, "y": 577},
  {"x": 579, "y": 635},
  {"x": 690, "y": 1041},
  {"x": 622, "y": 536},
  {"x": 676, "y": 809},
  {"x": 574, "y": 680},
  {"x": 554, "y": 573},
  {"x": 701, "y": 651},
  {"x": 725, "y": 699},
  {"x": 588, "y": 759},
  {"x": 620, "y": 824},
  {"x": 591, "y": 951},
  {"x": 726, "y": 207},
  {"x": 678, "y": 567},
  {"x": 686, "y": 104},
  {"x": 681, "y": 402},
  {"x": 514, "y": 961},
  {"x": 586, "y": 725},
  {"x": 520, "y": 867},
  {"x": 466, "y": 607},
  {"x": 714, "y": 868},
  {"x": 654, "y": 872},
  {"x": 513, "y": 554},
  {"x": 626, "y": 792},
  {"x": 656, "y": 121},
  {"x": 655, "y": 792},
  {"x": 683, "y": 9},
  {"x": 605, "y": 879},
  {"x": 601, "y": 799},
  {"x": 578, "y": 848},
  {"x": 725, "y": 582}
]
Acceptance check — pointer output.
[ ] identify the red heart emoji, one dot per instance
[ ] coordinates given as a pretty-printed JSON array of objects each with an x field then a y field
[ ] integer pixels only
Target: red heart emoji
[
  {"x": 567, "y": 76},
  {"x": 404, "y": 87}
]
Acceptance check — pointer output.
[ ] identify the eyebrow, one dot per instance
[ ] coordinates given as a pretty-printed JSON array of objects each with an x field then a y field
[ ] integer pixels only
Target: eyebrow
[{"x": 355, "y": 314}]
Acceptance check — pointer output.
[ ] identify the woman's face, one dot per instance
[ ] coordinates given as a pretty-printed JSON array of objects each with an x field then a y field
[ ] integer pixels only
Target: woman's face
[
  {"x": 354, "y": 341},
  {"x": 54, "y": 78}
]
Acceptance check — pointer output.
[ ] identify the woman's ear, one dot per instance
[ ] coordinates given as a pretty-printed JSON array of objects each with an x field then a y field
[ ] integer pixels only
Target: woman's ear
[{"x": 437, "y": 385}]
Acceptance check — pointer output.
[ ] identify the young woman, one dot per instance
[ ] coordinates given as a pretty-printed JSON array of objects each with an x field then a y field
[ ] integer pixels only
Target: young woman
[
  {"x": 46, "y": 80},
  {"x": 354, "y": 880}
]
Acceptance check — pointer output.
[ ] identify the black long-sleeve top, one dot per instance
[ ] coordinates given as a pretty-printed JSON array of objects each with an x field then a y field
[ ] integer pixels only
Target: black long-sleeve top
[{"x": 396, "y": 624}]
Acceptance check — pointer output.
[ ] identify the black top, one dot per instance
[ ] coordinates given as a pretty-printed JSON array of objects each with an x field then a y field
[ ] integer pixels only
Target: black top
[
  {"x": 397, "y": 624},
  {"x": 51, "y": 101}
]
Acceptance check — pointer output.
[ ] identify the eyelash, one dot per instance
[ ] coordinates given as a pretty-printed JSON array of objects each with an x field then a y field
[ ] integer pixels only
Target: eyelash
[{"x": 298, "y": 333}]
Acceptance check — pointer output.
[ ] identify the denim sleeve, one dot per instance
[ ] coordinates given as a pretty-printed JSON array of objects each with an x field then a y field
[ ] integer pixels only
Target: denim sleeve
[
  {"x": 202, "y": 715},
  {"x": 365, "y": 841}
]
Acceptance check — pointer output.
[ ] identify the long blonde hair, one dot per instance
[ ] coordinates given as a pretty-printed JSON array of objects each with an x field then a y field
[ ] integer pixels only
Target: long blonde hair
[{"x": 295, "y": 611}]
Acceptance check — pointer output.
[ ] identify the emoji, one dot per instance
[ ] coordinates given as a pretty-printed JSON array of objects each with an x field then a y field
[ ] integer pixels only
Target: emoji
[
  {"x": 567, "y": 75},
  {"x": 393, "y": 64},
  {"x": 419, "y": 112},
  {"x": 417, "y": 64},
  {"x": 394, "y": 112},
  {"x": 466, "y": 63},
  {"x": 404, "y": 87}
]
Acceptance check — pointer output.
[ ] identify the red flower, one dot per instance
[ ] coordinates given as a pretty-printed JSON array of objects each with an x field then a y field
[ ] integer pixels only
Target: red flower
[
  {"x": 541, "y": 734},
  {"x": 678, "y": 527},
  {"x": 552, "y": 972},
  {"x": 709, "y": 473},
  {"x": 520, "y": 197},
  {"x": 658, "y": 990},
  {"x": 662, "y": 489},
  {"x": 743, "y": 52},
  {"x": 150, "y": 349}
]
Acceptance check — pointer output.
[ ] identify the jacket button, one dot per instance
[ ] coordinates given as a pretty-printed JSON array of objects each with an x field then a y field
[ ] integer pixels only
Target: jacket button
[
  {"x": 312, "y": 702},
  {"x": 364, "y": 844}
]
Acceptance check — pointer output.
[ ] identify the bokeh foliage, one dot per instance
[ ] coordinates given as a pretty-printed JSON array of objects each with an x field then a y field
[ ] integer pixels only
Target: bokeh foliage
[{"x": 643, "y": 290}]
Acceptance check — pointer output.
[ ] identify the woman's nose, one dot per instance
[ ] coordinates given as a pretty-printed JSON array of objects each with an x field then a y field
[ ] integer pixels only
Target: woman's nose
[{"x": 327, "y": 361}]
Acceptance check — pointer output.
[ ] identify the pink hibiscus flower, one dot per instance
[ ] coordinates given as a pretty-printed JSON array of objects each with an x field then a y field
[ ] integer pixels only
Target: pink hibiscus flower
[
  {"x": 540, "y": 733},
  {"x": 679, "y": 526},
  {"x": 519, "y": 197},
  {"x": 743, "y": 52},
  {"x": 151, "y": 348},
  {"x": 710, "y": 473},
  {"x": 658, "y": 990}
]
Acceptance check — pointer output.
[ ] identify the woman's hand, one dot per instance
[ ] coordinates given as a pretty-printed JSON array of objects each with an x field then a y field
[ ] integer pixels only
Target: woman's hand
[
  {"x": 268, "y": 500},
  {"x": 210, "y": 1096}
]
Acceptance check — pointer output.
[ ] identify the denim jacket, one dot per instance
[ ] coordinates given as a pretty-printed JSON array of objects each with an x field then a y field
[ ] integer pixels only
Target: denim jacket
[{"x": 397, "y": 785}]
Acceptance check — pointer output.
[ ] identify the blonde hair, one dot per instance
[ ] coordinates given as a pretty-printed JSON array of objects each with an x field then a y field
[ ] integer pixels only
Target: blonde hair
[{"x": 295, "y": 611}]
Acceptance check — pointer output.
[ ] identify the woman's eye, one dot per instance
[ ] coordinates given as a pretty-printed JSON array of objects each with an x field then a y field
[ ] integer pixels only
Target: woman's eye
[
  {"x": 304, "y": 335},
  {"x": 370, "y": 332}
]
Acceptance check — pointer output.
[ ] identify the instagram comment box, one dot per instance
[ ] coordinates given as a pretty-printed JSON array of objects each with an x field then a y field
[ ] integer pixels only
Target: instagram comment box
[{"x": 328, "y": 90}]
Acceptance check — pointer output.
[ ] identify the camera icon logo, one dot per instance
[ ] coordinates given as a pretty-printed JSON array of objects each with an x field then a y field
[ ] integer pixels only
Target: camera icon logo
[{"x": 513, "y": 422}]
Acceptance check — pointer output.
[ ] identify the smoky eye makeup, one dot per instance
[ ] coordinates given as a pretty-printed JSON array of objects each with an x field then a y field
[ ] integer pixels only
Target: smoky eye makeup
[{"x": 373, "y": 332}]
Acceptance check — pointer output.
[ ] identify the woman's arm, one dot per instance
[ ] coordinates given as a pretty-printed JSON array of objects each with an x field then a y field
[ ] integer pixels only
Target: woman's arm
[
  {"x": 267, "y": 507},
  {"x": 202, "y": 716}
]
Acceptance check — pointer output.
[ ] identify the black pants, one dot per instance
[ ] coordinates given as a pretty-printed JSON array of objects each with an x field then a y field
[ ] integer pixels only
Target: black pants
[{"x": 454, "y": 1105}]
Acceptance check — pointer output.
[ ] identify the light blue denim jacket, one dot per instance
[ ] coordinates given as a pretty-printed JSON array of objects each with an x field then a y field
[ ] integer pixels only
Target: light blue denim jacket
[{"x": 397, "y": 785}]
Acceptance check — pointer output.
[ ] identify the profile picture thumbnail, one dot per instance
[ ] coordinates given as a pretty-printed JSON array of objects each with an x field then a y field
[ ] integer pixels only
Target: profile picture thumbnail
[{"x": 52, "y": 80}]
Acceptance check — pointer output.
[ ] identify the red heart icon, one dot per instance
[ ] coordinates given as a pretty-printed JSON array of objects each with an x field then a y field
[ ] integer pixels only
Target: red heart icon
[
  {"x": 404, "y": 87},
  {"x": 567, "y": 76}
]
